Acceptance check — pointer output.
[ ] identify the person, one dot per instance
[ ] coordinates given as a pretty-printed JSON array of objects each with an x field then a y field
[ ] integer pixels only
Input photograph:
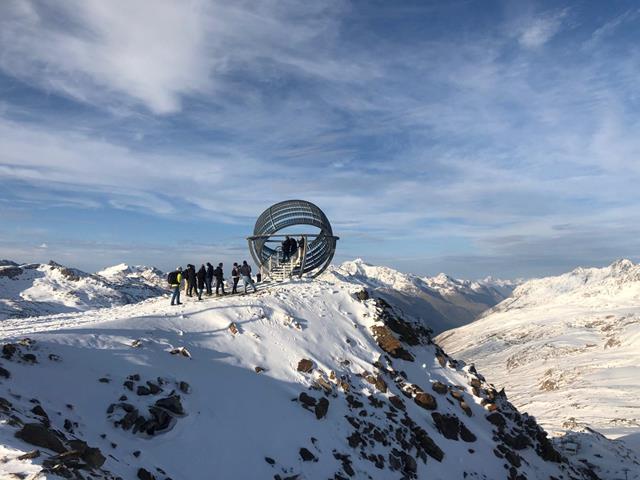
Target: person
[
  {"x": 245, "y": 271},
  {"x": 219, "y": 274},
  {"x": 301, "y": 245},
  {"x": 209, "y": 278},
  {"x": 235, "y": 276},
  {"x": 201, "y": 275},
  {"x": 293, "y": 246},
  {"x": 175, "y": 279},
  {"x": 286, "y": 248},
  {"x": 191, "y": 278}
]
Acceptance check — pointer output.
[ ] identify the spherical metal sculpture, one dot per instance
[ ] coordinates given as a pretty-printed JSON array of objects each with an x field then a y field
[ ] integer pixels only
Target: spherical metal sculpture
[{"x": 313, "y": 256}]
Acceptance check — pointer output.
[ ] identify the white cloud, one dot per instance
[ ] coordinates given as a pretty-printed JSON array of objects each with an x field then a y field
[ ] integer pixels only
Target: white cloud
[
  {"x": 538, "y": 30},
  {"x": 153, "y": 53}
]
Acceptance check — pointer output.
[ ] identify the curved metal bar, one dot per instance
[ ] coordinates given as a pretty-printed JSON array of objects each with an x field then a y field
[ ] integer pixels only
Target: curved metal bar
[{"x": 319, "y": 248}]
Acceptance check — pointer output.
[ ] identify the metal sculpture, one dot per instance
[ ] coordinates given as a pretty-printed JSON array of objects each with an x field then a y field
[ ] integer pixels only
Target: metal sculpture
[{"x": 317, "y": 249}]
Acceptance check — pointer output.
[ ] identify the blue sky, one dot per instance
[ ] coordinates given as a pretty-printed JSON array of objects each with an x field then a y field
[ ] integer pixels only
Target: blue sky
[{"x": 476, "y": 138}]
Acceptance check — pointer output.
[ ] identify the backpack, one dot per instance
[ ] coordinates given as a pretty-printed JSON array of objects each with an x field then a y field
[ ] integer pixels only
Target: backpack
[{"x": 172, "y": 278}]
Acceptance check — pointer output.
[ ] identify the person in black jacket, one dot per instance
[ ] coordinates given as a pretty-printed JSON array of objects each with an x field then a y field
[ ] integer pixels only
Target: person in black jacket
[
  {"x": 209, "y": 278},
  {"x": 235, "y": 276},
  {"x": 201, "y": 275},
  {"x": 218, "y": 273},
  {"x": 191, "y": 280}
]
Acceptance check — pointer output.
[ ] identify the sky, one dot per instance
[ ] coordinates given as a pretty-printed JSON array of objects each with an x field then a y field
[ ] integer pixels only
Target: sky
[{"x": 472, "y": 137}]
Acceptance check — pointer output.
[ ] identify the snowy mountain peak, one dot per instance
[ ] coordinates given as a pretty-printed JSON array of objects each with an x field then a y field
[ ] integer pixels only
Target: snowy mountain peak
[
  {"x": 42, "y": 289},
  {"x": 305, "y": 380},
  {"x": 442, "y": 302}
]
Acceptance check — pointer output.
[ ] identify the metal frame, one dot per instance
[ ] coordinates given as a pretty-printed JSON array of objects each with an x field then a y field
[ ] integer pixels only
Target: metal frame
[{"x": 318, "y": 248}]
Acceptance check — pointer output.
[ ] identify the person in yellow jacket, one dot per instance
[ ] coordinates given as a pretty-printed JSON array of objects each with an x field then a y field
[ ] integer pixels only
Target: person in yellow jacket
[{"x": 175, "y": 280}]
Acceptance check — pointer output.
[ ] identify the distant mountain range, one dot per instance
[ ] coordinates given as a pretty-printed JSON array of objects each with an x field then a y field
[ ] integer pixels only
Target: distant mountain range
[
  {"x": 567, "y": 348},
  {"x": 441, "y": 302},
  {"x": 41, "y": 289}
]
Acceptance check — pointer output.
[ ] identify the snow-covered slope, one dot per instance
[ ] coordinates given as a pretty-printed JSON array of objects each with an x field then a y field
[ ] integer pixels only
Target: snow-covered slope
[
  {"x": 41, "y": 289},
  {"x": 308, "y": 380},
  {"x": 566, "y": 348},
  {"x": 442, "y": 301}
]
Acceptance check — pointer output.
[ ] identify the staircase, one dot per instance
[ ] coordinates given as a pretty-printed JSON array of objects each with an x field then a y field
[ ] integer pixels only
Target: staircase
[{"x": 277, "y": 269}]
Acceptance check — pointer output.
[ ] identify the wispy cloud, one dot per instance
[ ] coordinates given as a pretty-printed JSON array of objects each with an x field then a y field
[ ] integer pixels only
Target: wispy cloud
[{"x": 214, "y": 110}]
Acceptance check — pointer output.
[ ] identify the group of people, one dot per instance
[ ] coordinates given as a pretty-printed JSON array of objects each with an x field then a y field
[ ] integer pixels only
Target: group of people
[
  {"x": 197, "y": 282},
  {"x": 290, "y": 246}
]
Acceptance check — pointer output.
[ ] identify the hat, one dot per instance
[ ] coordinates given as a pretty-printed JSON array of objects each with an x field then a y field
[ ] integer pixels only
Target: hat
[{"x": 179, "y": 269}]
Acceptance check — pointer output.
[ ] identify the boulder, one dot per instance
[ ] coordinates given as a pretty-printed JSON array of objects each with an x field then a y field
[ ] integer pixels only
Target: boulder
[
  {"x": 259, "y": 369},
  {"x": 142, "y": 390},
  {"x": 93, "y": 457},
  {"x": 389, "y": 343},
  {"x": 145, "y": 475},
  {"x": 465, "y": 434},
  {"x": 40, "y": 436},
  {"x": 497, "y": 419},
  {"x": 447, "y": 425},
  {"x": 322, "y": 408},
  {"x": 172, "y": 404},
  {"x": 8, "y": 350},
  {"x": 4, "y": 373},
  {"x": 184, "y": 387},
  {"x": 305, "y": 365},
  {"x": 153, "y": 388},
  {"x": 426, "y": 401},
  {"x": 362, "y": 295},
  {"x": 307, "y": 456},
  {"x": 439, "y": 387},
  {"x": 307, "y": 400},
  {"x": 397, "y": 402},
  {"x": 29, "y": 455}
]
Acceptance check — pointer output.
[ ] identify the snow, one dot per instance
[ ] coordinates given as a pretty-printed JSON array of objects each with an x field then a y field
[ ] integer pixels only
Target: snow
[
  {"x": 235, "y": 416},
  {"x": 42, "y": 289},
  {"x": 441, "y": 301},
  {"x": 566, "y": 348}
]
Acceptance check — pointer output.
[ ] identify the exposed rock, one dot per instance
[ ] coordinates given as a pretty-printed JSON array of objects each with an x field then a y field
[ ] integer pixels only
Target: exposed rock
[
  {"x": 4, "y": 373},
  {"x": 54, "y": 358},
  {"x": 377, "y": 381},
  {"x": 93, "y": 457},
  {"x": 39, "y": 411},
  {"x": 497, "y": 419},
  {"x": 180, "y": 351},
  {"x": 142, "y": 390},
  {"x": 389, "y": 343},
  {"x": 465, "y": 434},
  {"x": 5, "y": 405},
  {"x": 269, "y": 460},
  {"x": 8, "y": 350},
  {"x": 136, "y": 343},
  {"x": 426, "y": 401},
  {"x": 29, "y": 455},
  {"x": 184, "y": 387},
  {"x": 307, "y": 400},
  {"x": 233, "y": 328},
  {"x": 362, "y": 295},
  {"x": 128, "y": 384},
  {"x": 29, "y": 358},
  {"x": 307, "y": 456},
  {"x": 397, "y": 402},
  {"x": 321, "y": 408},
  {"x": 153, "y": 388},
  {"x": 305, "y": 365},
  {"x": 172, "y": 404},
  {"x": 40, "y": 436},
  {"x": 104, "y": 380},
  {"x": 466, "y": 408},
  {"x": 439, "y": 387},
  {"x": 259, "y": 369},
  {"x": 447, "y": 425},
  {"x": 145, "y": 475}
]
